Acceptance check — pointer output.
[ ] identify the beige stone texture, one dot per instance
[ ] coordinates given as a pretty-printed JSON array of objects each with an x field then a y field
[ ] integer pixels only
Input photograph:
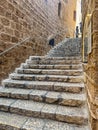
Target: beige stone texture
[
  {"x": 21, "y": 19},
  {"x": 91, "y": 68}
]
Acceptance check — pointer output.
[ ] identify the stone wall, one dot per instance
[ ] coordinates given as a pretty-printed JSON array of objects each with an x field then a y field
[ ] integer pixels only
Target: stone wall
[
  {"x": 20, "y": 18},
  {"x": 71, "y": 17},
  {"x": 90, "y": 15},
  {"x": 38, "y": 19}
]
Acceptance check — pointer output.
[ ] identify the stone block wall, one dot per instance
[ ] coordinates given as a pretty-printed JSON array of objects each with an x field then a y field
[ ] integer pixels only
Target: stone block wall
[
  {"x": 21, "y": 18},
  {"x": 38, "y": 19},
  {"x": 91, "y": 68},
  {"x": 71, "y": 17},
  {"x": 14, "y": 58}
]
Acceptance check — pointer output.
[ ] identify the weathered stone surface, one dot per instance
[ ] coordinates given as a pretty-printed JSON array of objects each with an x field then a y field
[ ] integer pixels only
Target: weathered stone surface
[
  {"x": 70, "y": 99},
  {"x": 48, "y": 111},
  {"x": 5, "y": 37},
  {"x": 68, "y": 87},
  {"x": 91, "y": 69},
  {"x": 29, "y": 71},
  {"x": 28, "y": 108},
  {"x": 59, "y": 78},
  {"x": 20, "y": 94},
  {"x": 58, "y": 97},
  {"x": 2, "y": 11},
  {"x": 54, "y": 125},
  {"x": 62, "y": 67},
  {"x": 34, "y": 124},
  {"x": 51, "y": 125},
  {"x": 12, "y": 83},
  {"x": 29, "y": 84},
  {"x": 42, "y": 85},
  {"x": 48, "y": 61},
  {"x": 66, "y": 114},
  {"x": 15, "y": 93},
  {"x": 71, "y": 48},
  {"x": 49, "y": 72},
  {"x": 54, "y": 58},
  {"x": 71, "y": 115},
  {"x": 31, "y": 19},
  {"x": 12, "y": 59},
  {"x": 41, "y": 124},
  {"x": 5, "y": 92},
  {"x": 14, "y": 39},
  {"x": 37, "y": 95},
  {"x": 11, "y": 121},
  {"x": 5, "y": 21},
  {"x": 52, "y": 97},
  {"x": 5, "y": 104}
]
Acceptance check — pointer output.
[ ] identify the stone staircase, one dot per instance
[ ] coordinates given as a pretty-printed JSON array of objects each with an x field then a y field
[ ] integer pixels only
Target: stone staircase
[
  {"x": 45, "y": 93},
  {"x": 68, "y": 47}
]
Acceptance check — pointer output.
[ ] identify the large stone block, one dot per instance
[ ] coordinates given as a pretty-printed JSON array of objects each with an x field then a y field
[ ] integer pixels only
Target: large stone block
[
  {"x": 2, "y": 11},
  {"x": 10, "y": 7},
  {"x": 14, "y": 39},
  {"x": 8, "y": 15},
  {"x": 5, "y": 37},
  {"x": 15, "y": 18},
  {"x": 9, "y": 31}
]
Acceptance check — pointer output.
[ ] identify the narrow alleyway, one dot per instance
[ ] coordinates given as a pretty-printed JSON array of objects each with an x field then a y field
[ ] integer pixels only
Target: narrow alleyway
[
  {"x": 46, "y": 92},
  {"x": 48, "y": 64}
]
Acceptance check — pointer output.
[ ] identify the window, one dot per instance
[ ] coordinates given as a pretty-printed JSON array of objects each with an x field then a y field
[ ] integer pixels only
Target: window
[
  {"x": 59, "y": 9},
  {"x": 74, "y": 15}
]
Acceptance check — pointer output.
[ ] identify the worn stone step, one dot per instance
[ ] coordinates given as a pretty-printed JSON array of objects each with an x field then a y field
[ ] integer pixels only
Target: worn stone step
[
  {"x": 73, "y": 115},
  {"x": 58, "y": 78},
  {"x": 49, "y": 72},
  {"x": 61, "y": 67},
  {"x": 9, "y": 121},
  {"x": 54, "y": 58},
  {"x": 43, "y": 85},
  {"x": 66, "y": 99},
  {"x": 47, "y": 61}
]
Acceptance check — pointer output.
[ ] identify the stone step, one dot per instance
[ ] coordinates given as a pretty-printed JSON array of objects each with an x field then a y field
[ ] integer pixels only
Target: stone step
[
  {"x": 65, "y": 99},
  {"x": 9, "y": 121},
  {"x": 49, "y": 72},
  {"x": 73, "y": 115},
  {"x": 47, "y": 61},
  {"x": 58, "y": 78},
  {"x": 54, "y": 58},
  {"x": 42, "y": 85},
  {"x": 61, "y": 67}
]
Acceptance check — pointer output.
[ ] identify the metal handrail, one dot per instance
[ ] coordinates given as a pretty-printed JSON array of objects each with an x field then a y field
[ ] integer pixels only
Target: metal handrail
[
  {"x": 17, "y": 44},
  {"x": 28, "y": 38}
]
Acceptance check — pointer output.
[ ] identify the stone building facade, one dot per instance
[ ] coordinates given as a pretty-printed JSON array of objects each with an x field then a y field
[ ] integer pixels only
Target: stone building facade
[
  {"x": 37, "y": 19},
  {"x": 90, "y": 57},
  {"x": 70, "y": 17}
]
